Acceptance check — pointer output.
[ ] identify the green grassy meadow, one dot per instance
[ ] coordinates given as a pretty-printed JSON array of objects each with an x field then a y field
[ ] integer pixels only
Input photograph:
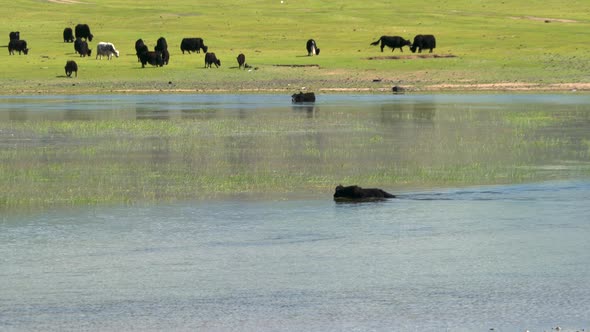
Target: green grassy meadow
[
  {"x": 114, "y": 160},
  {"x": 537, "y": 42}
]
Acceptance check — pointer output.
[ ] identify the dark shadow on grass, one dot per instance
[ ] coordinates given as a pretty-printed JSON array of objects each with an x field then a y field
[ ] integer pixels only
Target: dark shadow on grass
[
  {"x": 298, "y": 65},
  {"x": 150, "y": 66},
  {"x": 412, "y": 57}
]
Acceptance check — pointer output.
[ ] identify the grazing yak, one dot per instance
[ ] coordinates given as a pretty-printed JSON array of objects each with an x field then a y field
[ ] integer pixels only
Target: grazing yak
[
  {"x": 423, "y": 42},
  {"x": 71, "y": 67},
  {"x": 303, "y": 97},
  {"x": 152, "y": 57},
  {"x": 14, "y": 35},
  {"x": 162, "y": 47},
  {"x": 106, "y": 49},
  {"x": 312, "y": 48},
  {"x": 241, "y": 60},
  {"x": 17, "y": 45},
  {"x": 68, "y": 35},
  {"x": 140, "y": 47},
  {"x": 81, "y": 47},
  {"x": 393, "y": 42},
  {"x": 165, "y": 56},
  {"x": 193, "y": 45},
  {"x": 356, "y": 194},
  {"x": 211, "y": 59},
  {"x": 83, "y": 31}
]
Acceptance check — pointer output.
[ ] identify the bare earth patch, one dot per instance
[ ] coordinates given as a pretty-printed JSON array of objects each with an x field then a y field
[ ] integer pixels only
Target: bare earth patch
[
  {"x": 65, "y": 2},
  {"x": 489, "y": 87},
  {"x": 509, "y": 86},
  {"x": 413, "y": 56},
  {"x": 298, "y": 66},
  {"x": 544, "y": 19}
]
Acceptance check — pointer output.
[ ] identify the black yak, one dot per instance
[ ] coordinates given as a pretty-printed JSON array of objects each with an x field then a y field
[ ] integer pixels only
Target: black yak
[
  {"x": 303, "y": 97},
  {"x": 356, "y": 193},
  {"x": 68, "y": 35},
  {"x": 81, "y": 47},
  {"x": 71, "y": 67},
  {"x": 193, "y": 45},
  {"x": 241, "y": 60},
  {"x": 423, "y": 42},
  {"x": 83, "y": 31},
  {"x": 140, "y": 47},
  {"x": 18, "y": 45},
  {"x": 211, "y": 59},
  {"x": 151, "y": 57},
  {"x": 393, "y": 42},
  {"x": 162, "y": 47},
  {"x": 14, "y": 35}
]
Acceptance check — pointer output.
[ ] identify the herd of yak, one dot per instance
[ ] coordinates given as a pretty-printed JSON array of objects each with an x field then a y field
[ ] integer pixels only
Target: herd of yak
[{"x": 160, "y": 55}]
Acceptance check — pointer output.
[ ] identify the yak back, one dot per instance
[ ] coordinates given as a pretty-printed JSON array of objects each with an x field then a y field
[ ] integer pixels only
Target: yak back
[{"x": 356, "y": 193}]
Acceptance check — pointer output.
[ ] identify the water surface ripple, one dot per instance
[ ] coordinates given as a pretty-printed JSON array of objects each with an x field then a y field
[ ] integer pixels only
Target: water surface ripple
[{"x": 509, "y": 257}]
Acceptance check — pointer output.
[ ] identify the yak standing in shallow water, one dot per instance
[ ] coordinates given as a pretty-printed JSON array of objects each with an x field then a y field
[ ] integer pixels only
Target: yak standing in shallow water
[
  {"x": 423, "y": 42},
  {"x": 393, "y": 42},
  {"x": 356, "y": 193},
  {"x": 303, "y": 97}
]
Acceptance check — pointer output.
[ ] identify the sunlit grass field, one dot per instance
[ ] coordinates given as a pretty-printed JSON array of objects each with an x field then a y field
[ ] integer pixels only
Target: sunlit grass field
[{"x": 540, "y": 42}]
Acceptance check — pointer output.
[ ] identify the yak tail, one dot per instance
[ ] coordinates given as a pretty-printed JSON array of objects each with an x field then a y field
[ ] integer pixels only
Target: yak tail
[{"x": 377, "y": 42}]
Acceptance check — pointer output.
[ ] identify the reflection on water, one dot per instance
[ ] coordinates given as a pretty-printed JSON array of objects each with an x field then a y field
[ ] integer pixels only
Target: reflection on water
[
  {"x": 399, "y": 112},
  {"x": 308, "y": 108},
  {"x": 76, "y": 150}
]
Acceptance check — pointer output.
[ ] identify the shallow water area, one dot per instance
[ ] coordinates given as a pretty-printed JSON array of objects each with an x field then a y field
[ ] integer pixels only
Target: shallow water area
[
  {"x": 113, "y": 149},
  {"x": 215, "y": 213},
  {"x": 504, "y": 257}
]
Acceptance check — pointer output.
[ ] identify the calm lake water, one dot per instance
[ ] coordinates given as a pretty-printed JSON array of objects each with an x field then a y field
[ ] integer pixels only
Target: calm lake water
[{"x": 511, "y": 257}]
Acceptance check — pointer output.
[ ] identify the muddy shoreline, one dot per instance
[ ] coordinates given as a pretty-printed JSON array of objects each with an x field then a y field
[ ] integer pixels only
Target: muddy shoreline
[{"x": 319, "y": 87}]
